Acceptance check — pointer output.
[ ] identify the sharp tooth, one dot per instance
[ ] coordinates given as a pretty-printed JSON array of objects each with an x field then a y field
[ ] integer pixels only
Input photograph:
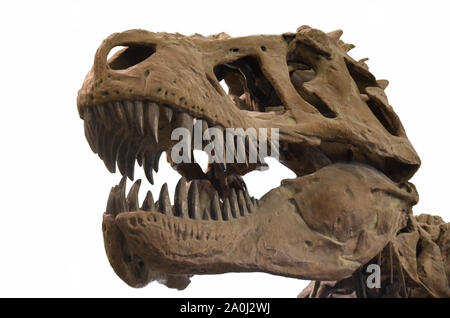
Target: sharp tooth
[
  {"x": 234, "y": 204},
  {"x": 111, "y": 112},
  {"x": 100, "y": 134},
  {"x": 156, "y": 161},
  {"x": 148, "y": 204},
  {"x": 140, "y": 158},
  {"x": 94, "y": 112},
  {"x": 121, "y": 201},
  {"x": 120, "y": 113},
  {"x": 109, "y": 157},
  {"x": 194, "y": 200},
  {"x": 106, "y": 113},
  {"x": 122, "y": 185},
  {"x": 110, "y": 206},
  {"x": 114, "y": 150},
  {"x": 148, "y": 167},
  {"x": 164, "y": 201},
  {"x": 122, "y": 158},
  {"x": 216, "y": 213},
  {"x": 133, "y": 196},
  {"x": 102, "y": 116},
  {"x": 239, "y": 182},
  {"x": 206, "y": 215},
  {"x": 139, "y": 116},
  {"x": 129, "y": 110},
  {"x": 168, "y": 113},
  {"x": 249, "y": 203},
  {"x": 153, "y": 119},
  {"x": 242, "y": 204},
  {"x": 226, "y": 210},
  {"x": 181, "y": 204},
  {"x": 89, "y": 115},
  {"x": 131, "y": 158},
  {"x": 185, "y": 121},
  {"x": 90, "y": 137}
]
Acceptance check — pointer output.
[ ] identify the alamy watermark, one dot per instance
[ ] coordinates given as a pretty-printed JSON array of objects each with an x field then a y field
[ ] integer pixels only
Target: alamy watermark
[
  {"x": 232, "y": 145},
  {"x": 373, "y": 279}
]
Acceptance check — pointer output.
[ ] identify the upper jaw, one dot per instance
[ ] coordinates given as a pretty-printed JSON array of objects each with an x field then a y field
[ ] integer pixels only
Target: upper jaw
[{"x": 125, "y": 132}]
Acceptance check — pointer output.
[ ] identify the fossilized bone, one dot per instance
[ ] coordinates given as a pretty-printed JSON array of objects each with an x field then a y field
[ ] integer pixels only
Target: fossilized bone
[{"x": 350, "y": 205}]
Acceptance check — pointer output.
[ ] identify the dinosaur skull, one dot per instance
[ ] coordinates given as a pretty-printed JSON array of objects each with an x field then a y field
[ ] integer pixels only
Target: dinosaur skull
[{"x": 337, "y": 132}]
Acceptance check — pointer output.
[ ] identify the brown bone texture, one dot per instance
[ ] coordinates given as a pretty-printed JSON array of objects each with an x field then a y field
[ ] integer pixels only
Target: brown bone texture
[
  {"x": 349, "y": 206},
  {"x": 414, "y": 265}
]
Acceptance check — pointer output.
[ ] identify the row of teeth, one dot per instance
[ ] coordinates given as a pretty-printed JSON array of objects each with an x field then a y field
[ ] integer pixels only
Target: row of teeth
[
  {"x": 187, "y": 202},
  {"x": 139, "y": 116},
  {"x": 100, "y": 123}
]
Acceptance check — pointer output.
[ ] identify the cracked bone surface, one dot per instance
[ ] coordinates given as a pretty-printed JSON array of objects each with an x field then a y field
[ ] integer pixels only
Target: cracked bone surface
[{"x": 349, "y": 206}]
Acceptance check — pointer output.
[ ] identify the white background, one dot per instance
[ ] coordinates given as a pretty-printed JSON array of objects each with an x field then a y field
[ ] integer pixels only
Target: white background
[{"x": 54, "y": 189}]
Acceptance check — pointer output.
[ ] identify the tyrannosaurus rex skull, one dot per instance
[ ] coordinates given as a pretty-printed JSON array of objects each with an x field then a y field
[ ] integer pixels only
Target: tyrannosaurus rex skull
[{"x": 337, "y": 132}]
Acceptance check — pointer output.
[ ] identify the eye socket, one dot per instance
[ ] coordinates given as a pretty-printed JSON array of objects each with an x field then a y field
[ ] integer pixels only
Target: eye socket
[
  {"x": 129, "y": 55},
  {"x": 300, "y": 74},
  {"x": 245, "y": 83}
]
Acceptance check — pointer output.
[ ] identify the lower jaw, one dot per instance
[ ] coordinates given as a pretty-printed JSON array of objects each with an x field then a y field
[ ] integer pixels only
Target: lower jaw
[
  {"x": 181, "y": 246},
  {"x": 200, "y": 232}
]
